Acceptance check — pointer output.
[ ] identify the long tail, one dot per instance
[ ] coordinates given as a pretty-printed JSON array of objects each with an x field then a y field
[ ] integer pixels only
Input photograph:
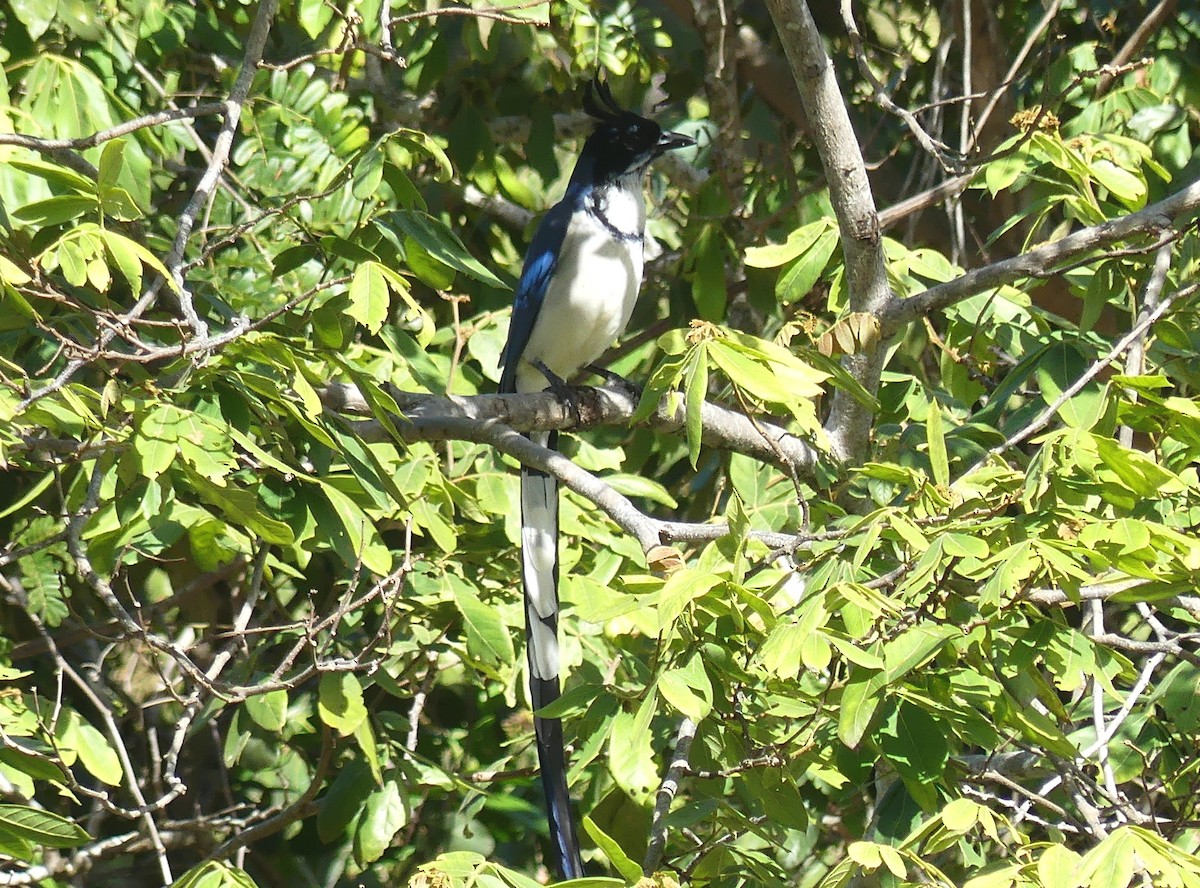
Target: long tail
[{"x": 539, "y": 571}]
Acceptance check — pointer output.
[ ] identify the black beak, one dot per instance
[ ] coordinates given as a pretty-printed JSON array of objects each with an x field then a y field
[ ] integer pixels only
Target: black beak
[{"x": 671, "y": 141}]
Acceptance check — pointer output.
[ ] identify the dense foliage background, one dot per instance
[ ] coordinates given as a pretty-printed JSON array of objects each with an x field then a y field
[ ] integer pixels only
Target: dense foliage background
[{"x": 928, "y": 616}]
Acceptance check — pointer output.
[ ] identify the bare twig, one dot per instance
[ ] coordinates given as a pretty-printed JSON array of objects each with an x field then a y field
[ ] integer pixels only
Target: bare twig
[
  {"x": 1135, "y": 360},
  {"x": 949, "y": 161},
  {"x": 1040, "y": 421},
  {"x": 233, "y": 106},
  {"x": 1042, "y": 261},
  {"x": 1137, "y": 40},
  {"x": 255, "y": 42},
  {"x": 498, "y": 13},
  {"x": 304, "y": 806},
  {"x": 37, "y": 143},
  {"x": 666, "y": 795}
]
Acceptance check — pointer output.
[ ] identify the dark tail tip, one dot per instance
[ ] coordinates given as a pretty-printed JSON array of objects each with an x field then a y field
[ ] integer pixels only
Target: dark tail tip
[{"x": 553, "y": 764}]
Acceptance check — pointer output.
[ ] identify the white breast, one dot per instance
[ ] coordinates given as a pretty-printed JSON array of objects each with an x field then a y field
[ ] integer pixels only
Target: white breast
[{"x": 593, "y": 291}]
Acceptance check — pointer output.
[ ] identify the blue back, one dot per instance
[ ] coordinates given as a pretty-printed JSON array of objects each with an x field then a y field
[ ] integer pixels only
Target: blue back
[{"x": 540, "y": 264}]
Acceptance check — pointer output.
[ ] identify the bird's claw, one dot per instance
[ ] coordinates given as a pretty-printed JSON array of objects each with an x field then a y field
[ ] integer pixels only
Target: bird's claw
[{"x": 559, "y": 387}]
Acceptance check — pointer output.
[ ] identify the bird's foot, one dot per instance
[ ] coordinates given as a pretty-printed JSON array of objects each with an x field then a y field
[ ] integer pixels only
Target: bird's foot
[
  {"x": 616, "y": 380},
  {"x": 559, "y": 387}
]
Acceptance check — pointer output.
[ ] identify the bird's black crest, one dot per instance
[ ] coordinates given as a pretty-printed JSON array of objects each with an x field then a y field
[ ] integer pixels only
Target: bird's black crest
[{"x": 598, "y": 101}]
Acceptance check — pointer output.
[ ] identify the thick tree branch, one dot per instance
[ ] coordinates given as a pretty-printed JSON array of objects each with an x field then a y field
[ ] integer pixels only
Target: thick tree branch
[
  {"x": 441, "y": 417},
  {"x": 849, "y": 423},
  {"x": 485, "y": 419}
]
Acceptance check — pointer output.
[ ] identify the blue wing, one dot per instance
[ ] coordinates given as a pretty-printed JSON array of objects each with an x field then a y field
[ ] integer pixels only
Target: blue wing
[{"x": 541, "y": 261}]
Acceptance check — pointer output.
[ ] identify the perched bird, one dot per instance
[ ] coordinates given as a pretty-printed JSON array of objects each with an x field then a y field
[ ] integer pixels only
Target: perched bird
[{"x": 577, "y": 290}]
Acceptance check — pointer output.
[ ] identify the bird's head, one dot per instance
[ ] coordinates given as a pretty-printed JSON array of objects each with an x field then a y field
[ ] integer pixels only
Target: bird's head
[{"x": 623, "y": 143}]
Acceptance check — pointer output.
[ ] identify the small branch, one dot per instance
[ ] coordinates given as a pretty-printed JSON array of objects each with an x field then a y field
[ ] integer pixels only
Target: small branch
[
  {"x": 105, "y": 711},
  {"x": 1043, "y": 419},
  {"x": 304, "y": 806},
  {"x": 1041, "y": 261},
  {"x": 949, "y": 161},
  {"x": 666, "y": 794},
  {"x": 498, "y": 13},
  {"x": 1149, "y": 26},
  {"x": 1105, "y": 589},
  {"x": 187, "y": 220},
  {"x": 1010, "y": 75},
  {"x": 1135, "y": 360},
  {"x": 898, "y": 212},
  {"x": 51, "y": 146},
  {"x": 255, "y": 43},
  {"x": 419, "y": 698}
]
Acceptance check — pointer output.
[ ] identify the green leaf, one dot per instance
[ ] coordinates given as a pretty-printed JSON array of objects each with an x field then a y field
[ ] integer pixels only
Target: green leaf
[
  {"x": 696, "y": 381},
  {"x": 361, "y": 542},
  {"x": 961, "y": 815},
  {"x": 708, "y": 274},
  {"x": 427, "y": 145},
  {"x": 1111, "y": 864},
  {"x": 630, "y": 752},
  {"x": 1058, "y": 866},
  {"x": 156, "y": 441},
  {"x": 385, "y": 814},
  {"x": 682, "y": 588},
  {"x": 781, "y": 652},
  {"x": 935, "y": 438},
  {"x": 1061, "y": 365},
  {"x": 56, "y": 210},
  {"x": 364, "y": 735},
  {"x": 435, "y": 274},
  {"x": 1002, "y": 172},
  {"x": 368, "y": 173},
  {"x": 1039, "y": 729},
  {"x": 799, "y": 241},
  {"x": 776, "y": 791},
  {"x": 241, "y": 507},
  {"x": 340, "y": 702},
  {"x": 688, "y": 688},
  {"x": 795, "y": 283},
  {"x": 55, "y": 175},
  {"x": 95, "y": 753},
  {"x": 112, "y": 161},
  {"x": 214, "y": 874},
  {"x": 488, "y": 638},
  {"x": 37, "y": 763},
  {"x": 913, "y": 648},
  {"x": 370, "y": 296},
  {"x": 1127, "y": 187},
  {"x": 345, "y": 798},
  {"x": 1138, "y": 471},
  {"x": 42, "y": 827},
  {"x": 617, "y": 858},
  {"x": 860, "y": 701},
  {"x": 914, "y": 742},
  {"x": 441, "y": 244},
  {"x": 269, "y": 710}
]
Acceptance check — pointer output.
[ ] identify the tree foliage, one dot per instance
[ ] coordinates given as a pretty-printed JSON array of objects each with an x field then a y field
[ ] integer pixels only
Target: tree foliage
[{"x": 885, "y": 575}]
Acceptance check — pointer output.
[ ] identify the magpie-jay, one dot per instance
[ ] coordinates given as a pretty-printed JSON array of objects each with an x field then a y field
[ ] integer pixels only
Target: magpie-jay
[{"x": 577, "y": 290}]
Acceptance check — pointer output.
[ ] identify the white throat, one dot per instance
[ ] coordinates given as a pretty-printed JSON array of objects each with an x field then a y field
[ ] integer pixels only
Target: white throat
[{"x": 619, "y": 207}]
